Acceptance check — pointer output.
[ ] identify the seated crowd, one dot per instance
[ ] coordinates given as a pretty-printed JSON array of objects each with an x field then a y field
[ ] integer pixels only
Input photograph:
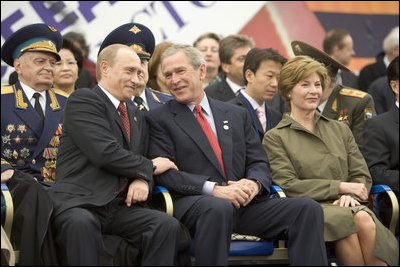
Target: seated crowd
[{"x": 216, "y": 123}]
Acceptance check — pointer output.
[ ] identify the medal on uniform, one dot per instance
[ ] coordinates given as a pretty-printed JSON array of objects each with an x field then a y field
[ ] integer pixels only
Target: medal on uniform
[
  {"x": 7, "y": 153},
  {"x": 6, "y": 139},
  {"x": 24, "y": 153},
  {"x": 10, "y": 128},
  {"x": 17, "y": 140},
  {"x": 30, "y": 140},
  {"x": 59, "y": 129},
  {"x": 55, "y": 141},
  {"x": 21, "y": 128}
]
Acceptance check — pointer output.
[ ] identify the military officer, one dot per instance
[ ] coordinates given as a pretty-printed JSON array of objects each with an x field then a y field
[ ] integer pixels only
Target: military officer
[
  {"x": 31, "y": 112},
  {"x": 31, "y": 124},
  {"x": 141, "y": 40},
  {"x": 348, "y": 105}
]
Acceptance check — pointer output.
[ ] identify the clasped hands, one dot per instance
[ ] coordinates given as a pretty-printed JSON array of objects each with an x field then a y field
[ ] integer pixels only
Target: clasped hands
[
  {"x": 138, "y": 190},
  {"x": 239, "y": 193},
  {"x": 358, "y": 189}
]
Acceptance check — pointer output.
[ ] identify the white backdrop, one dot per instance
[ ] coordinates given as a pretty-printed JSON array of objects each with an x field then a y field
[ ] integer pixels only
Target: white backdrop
[{"x": 177, "y": 21}]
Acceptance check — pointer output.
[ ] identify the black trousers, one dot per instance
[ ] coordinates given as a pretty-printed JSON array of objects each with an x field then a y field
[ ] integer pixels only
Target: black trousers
[
  {"x": 212, "y": 221},
  {"x": 79, "y": 233}
]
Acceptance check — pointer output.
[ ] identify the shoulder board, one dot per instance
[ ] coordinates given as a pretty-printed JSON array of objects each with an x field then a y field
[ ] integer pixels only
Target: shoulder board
[
  {"x": 61, "y": 92},
  {"x": 7, "y": 90},
  {"x": 352, "y": 92},
  {"x": 158, "y": 92}
]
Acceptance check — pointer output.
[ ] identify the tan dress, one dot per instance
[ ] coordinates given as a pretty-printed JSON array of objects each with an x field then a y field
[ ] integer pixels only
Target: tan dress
[{"x": 312, "y": 165}]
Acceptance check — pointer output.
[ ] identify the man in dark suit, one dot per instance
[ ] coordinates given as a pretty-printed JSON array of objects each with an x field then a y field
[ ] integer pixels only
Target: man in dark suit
[
  {"x": 103, "y": 178},
  {"x": 232, "y": 53},
  {"x": 222, "y": 185},
  {"x": 261, "y": 72},
  {"x": 381, "y": 146},
  {"x": 141, "y": 40}
]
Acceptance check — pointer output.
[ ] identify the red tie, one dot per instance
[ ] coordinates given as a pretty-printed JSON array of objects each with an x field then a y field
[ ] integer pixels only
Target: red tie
[
  {"x": 210, "y": 135},
  {"x": 123, "y": 113}
]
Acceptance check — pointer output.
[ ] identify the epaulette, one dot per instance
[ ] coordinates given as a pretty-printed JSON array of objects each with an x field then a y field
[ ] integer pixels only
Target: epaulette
[
  {"x": 61, "y": 92},
  {"x": 158, "y": 92},
  {"x": 7, "y": 90},
  {"x": 352, "y": 92}
]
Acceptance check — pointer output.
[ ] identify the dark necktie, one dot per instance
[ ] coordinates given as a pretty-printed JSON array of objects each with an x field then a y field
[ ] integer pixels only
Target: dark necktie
[
  {"x": 123, "y": 113},
  {"x": 139, "y": 101},
  {"x": 210, "y": 135},
  {"x": 38, "y": 107}
]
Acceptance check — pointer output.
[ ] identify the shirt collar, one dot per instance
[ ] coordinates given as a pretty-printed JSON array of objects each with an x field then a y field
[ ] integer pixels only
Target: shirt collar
[
  {"x": 253, "y": 103},
  {"x": 235, "y": 87},
  {"x": 29, "y": 91},
  {"x": 111, "y": 97},
  {"x": 205, "y": 105}
]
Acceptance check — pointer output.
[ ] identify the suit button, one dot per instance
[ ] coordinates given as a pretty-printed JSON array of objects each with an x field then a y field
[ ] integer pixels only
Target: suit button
[{"x": 34, "y": 161}]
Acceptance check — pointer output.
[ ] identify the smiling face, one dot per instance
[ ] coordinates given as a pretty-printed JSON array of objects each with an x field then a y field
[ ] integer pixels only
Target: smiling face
[
  {"x": 122, "y": 75},
  {"x": 306, "y": 94},
  {"x": 184, "y": 82}
]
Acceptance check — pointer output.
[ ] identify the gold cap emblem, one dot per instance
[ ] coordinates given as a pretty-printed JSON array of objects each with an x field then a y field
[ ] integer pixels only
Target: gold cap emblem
[
  {"x": 135, "y": 29},
  {"x": 297, "y": 48},
  {"x": 52, "y": 28}
]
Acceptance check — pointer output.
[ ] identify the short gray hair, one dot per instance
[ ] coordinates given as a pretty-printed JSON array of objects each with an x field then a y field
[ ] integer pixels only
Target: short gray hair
[
  {"x": 193, "y": 54},
  {"x": 391, "y": 40}
]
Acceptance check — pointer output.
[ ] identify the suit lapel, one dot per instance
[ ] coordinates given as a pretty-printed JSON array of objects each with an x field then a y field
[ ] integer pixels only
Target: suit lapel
[
  {"x": 223, "y": 125},
  {"x": 331, "y": 107},
  {"x": 114, "y": 112},
  {"x": 186, "y": 120}
]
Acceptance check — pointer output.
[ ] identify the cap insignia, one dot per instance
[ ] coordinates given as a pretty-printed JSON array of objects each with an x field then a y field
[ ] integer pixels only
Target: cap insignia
[
  {"x": 52, "y": 28},
  {"x": 297, "y": 48},
  {"x": 135, "y": 29}
]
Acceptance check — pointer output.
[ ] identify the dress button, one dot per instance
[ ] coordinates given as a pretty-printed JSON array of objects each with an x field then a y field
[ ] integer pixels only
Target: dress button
[{"x": 34, "y": 161}]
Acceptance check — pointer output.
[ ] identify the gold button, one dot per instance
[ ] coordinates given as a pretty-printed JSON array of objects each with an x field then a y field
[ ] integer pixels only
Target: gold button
[{"x": 34, "y": 161}]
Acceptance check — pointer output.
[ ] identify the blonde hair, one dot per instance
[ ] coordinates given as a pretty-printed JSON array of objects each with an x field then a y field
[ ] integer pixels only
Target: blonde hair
[{"x": 296, "y": 70}]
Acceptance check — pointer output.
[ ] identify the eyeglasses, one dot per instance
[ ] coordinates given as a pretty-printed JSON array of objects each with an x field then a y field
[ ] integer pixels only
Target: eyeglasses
[{"x": 69, "y": 63}]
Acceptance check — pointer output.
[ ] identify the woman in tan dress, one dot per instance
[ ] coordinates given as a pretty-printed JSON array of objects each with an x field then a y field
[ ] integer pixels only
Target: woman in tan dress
[{"x": 312, "y": 156}]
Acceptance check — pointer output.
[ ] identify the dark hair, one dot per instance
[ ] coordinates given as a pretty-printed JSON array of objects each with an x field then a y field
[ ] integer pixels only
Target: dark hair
[
  {"x": 393, "y": 70},
  {"x": 334, "y": 37},
  {"x": 228, "y": 45},
  {"x": 78, "y": 37},
  {"x": 256, "y": 55},
  {"x": 209, "y": 35},
  {"x": 68, "y": 44}
]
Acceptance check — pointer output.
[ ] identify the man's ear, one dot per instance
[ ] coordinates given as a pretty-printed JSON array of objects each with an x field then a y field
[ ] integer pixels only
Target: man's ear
[{"x": 225, "y": 67}]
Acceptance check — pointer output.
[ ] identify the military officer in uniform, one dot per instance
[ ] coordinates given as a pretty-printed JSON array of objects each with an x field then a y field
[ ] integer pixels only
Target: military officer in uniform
[
  {"x": 31, "y": 124},
  {"x": 348, "y": 105},
  {"x": 141, "y": 40}
]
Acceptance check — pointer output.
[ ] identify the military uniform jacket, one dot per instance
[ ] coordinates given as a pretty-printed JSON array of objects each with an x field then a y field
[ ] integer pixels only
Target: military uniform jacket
[
  {"x": 156, "y": 99},
  {"x": 352, "y": 107},
  {"x": 27, "y": 144},
  {"x": 332, "y": 157}
]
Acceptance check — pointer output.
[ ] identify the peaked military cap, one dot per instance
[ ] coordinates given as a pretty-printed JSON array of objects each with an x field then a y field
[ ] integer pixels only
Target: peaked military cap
[
  {"x": 37, "y": 37},
  {"x": 134, "y": 35},
  {"x": 303, "y": 49}
]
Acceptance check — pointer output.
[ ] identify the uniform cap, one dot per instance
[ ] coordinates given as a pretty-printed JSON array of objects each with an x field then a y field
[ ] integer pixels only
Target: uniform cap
[
  {"x": 38, "y": 37},
  {"x": 134, "y": 35}
]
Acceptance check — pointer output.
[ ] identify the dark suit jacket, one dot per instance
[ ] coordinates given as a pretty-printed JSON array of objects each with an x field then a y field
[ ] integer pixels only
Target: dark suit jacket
[
  {"x": 220, "y": 90},
  {"x": 381, "y": 148},
  {"x": 382, "y": 94},
  {"x": 273, "y": 116},
  {"x": 96, "y": 160},
  {"x": 176, "y": 134},
  {"x": 372, "y": 72}
]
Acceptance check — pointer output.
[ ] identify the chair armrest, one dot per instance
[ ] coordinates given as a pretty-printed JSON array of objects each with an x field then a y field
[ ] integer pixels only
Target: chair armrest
[
  {"x": 274, "y": 189},
  {"x": 378, "y": 189},
  {"x": 9, "y": 210},
  {"x": 169, "y": 207}
]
